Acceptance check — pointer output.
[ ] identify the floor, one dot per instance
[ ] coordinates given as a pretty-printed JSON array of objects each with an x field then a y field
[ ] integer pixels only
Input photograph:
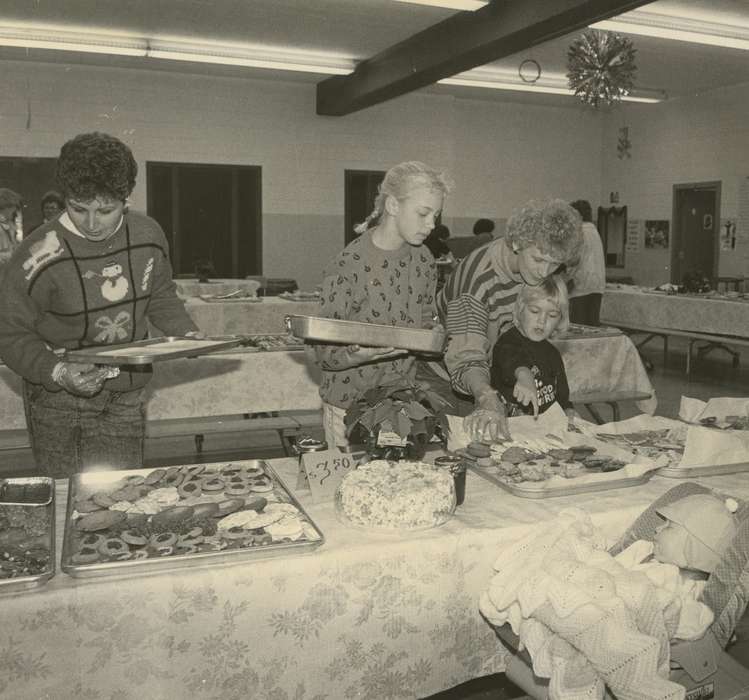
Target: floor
[{"x": 713, "y": 375}]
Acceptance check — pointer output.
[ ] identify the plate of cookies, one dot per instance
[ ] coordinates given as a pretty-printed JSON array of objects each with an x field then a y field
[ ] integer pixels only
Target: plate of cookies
[
  {"x": 547, "y": 467},
  {"x": 151, "y": 520}
]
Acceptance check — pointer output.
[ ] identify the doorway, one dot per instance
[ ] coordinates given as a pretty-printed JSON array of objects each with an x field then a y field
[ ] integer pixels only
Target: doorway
[
  {"x": 360, "y": 190},
  {"x": 211, "y": 214},
  {"x": 696, "y": 216}
]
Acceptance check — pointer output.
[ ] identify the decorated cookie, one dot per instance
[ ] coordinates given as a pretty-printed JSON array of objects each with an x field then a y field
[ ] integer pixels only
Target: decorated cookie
[
  {"x": 101, "y": 520},
  {"x": 155, "y": 476},
  {"x": 86, "y": 555},
  {"x": 479, "y": 449}
]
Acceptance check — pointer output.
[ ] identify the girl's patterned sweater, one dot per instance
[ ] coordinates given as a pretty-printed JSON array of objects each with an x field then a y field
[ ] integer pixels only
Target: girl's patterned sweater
[
  {"x": 62, "y": 291},
  {"x": 365, "y": 283}
]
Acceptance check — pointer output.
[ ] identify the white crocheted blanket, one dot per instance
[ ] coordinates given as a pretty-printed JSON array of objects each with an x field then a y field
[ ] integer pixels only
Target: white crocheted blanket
[{"x": 586, "y": 621}]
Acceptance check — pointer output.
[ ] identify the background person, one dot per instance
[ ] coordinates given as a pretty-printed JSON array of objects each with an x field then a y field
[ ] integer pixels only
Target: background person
[
  {"x": 384, "y": 276},
  {"x": 11, "y": 223},
  {"x": 477, "y": 301},
  {"x": 92, "y": 277},
  {"x": 587, "y": 277},
  {"x": 52, "y": 205},
  {"x": 435, "y": 241},
  {"x": 484, "y": 229}
]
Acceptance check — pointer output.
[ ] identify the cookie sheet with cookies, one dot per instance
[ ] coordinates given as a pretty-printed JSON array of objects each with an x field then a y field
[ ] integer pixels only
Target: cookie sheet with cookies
[
  {"x": 140, "y": 521},
  {"x": 546, "y": 458}
]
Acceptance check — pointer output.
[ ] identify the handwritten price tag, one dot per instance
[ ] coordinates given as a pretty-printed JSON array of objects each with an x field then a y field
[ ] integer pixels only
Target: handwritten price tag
[{"x": 325, "y": 470}]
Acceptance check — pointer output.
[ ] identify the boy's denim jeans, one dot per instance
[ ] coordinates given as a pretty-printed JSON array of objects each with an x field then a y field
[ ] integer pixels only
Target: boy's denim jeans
[{"x": 70, "y": 434}]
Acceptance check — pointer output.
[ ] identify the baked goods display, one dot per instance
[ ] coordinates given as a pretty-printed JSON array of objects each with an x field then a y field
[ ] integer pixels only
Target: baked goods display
[
  {"x": 27, "y": 539},
  {"x": 396, "y": 496},
  {"x": 129, "y": 518},
  {"x": 552, "y": 465}
]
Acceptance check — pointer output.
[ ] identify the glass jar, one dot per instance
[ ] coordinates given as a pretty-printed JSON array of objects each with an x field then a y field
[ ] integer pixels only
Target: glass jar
[
  {"x": 457, "y": 467},
  {"x": 301, "y": 446}
]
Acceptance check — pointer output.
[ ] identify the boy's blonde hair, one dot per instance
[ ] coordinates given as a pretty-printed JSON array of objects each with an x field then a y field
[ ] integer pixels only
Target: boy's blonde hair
[
  {"x": 399, "y": 181},
  {"x": 553, "y": 288}
]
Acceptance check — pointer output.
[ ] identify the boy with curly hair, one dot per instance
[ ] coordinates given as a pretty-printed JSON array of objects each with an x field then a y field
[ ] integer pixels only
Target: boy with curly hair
[
  {"x": 93, "y": 276},
  {"x": 477, "y": 301}
]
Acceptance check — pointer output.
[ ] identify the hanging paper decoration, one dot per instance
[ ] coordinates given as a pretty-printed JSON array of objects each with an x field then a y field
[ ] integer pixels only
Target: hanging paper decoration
[{"x": 601, "y": 67}]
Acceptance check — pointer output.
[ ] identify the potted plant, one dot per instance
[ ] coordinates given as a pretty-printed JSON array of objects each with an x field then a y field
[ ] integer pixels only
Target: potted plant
[{"x": 397, "y": 420}]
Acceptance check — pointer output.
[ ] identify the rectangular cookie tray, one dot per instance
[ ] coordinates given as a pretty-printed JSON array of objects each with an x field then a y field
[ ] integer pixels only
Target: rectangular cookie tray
[
  {"x": 562, "y": 490},
  {"x": 333, "y": 330},
  {"x": 45, "y": 486},
  {"x": 84, "y": 485},
  {"x": 145, "y": 352},
  {"x": 703, "y": 470}
]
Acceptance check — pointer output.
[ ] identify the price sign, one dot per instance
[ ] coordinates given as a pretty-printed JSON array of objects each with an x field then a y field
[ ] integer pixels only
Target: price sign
[{"x": 325, "y": 470}]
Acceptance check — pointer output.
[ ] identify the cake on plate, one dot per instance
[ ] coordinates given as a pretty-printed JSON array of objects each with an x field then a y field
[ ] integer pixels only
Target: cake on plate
[{"x": 396, "y": 495}]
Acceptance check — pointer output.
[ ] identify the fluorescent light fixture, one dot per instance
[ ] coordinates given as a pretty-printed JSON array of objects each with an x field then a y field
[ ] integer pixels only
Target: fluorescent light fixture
[
  {"x": 450, "y": 4},
  {"x": 549, "y": 83},
  {"x": 690, "y": 29},
  {"x": 174, "y": 49},
  {"x": 249, "y": 56},
  {"x": 61, "y": 39}
]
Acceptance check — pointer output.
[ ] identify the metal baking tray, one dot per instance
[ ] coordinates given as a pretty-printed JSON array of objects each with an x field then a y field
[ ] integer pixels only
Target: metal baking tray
[
  {"x": 556, "y": 491},
  {"x": 31, "y": 492},
  {"x": 145, "y": 352},
  {"x": 706, "y": 470},
  {"x": 88, "y": 483},
  {"x": 220, "y": 299},
  {"x": 368, "y": 334}
]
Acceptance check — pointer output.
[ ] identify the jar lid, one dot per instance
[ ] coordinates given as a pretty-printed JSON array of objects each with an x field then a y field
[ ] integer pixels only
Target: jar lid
[{"x": 309, "y": 444}]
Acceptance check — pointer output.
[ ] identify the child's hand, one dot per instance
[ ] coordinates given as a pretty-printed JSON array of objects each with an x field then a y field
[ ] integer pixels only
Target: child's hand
[
  {"x": 525, "y": 390},
  {"x": 361, "y": 355}
]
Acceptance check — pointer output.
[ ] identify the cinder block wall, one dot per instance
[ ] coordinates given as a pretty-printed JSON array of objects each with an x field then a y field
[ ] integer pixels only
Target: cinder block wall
[
  {"x": 691, "y": 140},
  {"x": 499, "y": 153}
]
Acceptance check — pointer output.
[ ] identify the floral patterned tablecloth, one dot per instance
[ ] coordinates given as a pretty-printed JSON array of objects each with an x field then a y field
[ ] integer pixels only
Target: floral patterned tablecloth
[
  {"x": 366, "y": 615},
  {"x": 633, "y": 307}
]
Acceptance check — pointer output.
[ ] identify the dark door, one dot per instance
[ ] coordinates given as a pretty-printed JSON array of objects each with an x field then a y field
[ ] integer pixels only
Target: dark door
[
  {"x": 360, "y": 190},
  {"x": 211, "y": 215},
  {"x": 31, "y": 178},
  {"x": 696, "y": 225}
]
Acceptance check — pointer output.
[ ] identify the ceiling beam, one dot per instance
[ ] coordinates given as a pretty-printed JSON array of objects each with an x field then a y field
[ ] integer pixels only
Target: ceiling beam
[{"x": 460, "y": 42}]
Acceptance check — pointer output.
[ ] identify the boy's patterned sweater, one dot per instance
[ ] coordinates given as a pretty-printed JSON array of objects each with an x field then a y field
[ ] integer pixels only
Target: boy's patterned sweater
[{"x": 62, "y": 291}]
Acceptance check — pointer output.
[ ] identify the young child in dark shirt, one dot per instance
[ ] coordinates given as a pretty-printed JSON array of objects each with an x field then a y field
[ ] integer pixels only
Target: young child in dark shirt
[{"x": 527, "y": 369}]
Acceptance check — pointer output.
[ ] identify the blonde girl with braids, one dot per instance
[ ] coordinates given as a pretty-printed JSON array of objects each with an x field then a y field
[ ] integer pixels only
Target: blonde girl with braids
[{"x": 385, "y": 276}]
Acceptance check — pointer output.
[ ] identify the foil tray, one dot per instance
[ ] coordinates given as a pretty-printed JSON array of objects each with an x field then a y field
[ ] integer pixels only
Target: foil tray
[
  {"x": 377, "y": 335},
  {"x": 150, "y": 350},
  {"x": 87, "y": 483},
  {"x": 30, "y": 492}
]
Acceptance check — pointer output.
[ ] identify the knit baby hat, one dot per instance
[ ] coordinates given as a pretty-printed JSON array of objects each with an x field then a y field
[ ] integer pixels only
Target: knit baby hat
[{"x": 708, "y": 526}]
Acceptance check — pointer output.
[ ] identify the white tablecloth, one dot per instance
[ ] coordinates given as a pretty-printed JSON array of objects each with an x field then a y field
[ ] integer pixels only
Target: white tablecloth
[
  {"x": 365, "y": 616},
  {"x": 631, "y": 307}
]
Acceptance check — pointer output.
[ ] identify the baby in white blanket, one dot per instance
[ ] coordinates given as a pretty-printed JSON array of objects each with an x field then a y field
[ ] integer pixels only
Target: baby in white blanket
[{"x": 686, "y": 549}]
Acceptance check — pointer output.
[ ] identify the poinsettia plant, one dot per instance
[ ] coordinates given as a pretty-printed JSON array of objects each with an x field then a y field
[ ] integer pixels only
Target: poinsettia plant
[{"x": 411, "y": 410}]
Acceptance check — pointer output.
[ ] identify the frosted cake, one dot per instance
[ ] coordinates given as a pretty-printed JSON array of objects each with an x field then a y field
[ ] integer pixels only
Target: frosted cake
[{"x": 396, "y": 495}]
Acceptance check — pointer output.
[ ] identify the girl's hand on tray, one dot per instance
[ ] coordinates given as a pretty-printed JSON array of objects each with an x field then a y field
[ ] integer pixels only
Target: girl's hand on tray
[{"x": 360, "y": 355}]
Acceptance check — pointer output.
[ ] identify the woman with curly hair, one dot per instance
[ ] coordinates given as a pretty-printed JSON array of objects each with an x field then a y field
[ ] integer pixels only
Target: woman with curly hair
[
  {"x": 93, "y": 276},
  {"x": 477, "y": 301}
]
